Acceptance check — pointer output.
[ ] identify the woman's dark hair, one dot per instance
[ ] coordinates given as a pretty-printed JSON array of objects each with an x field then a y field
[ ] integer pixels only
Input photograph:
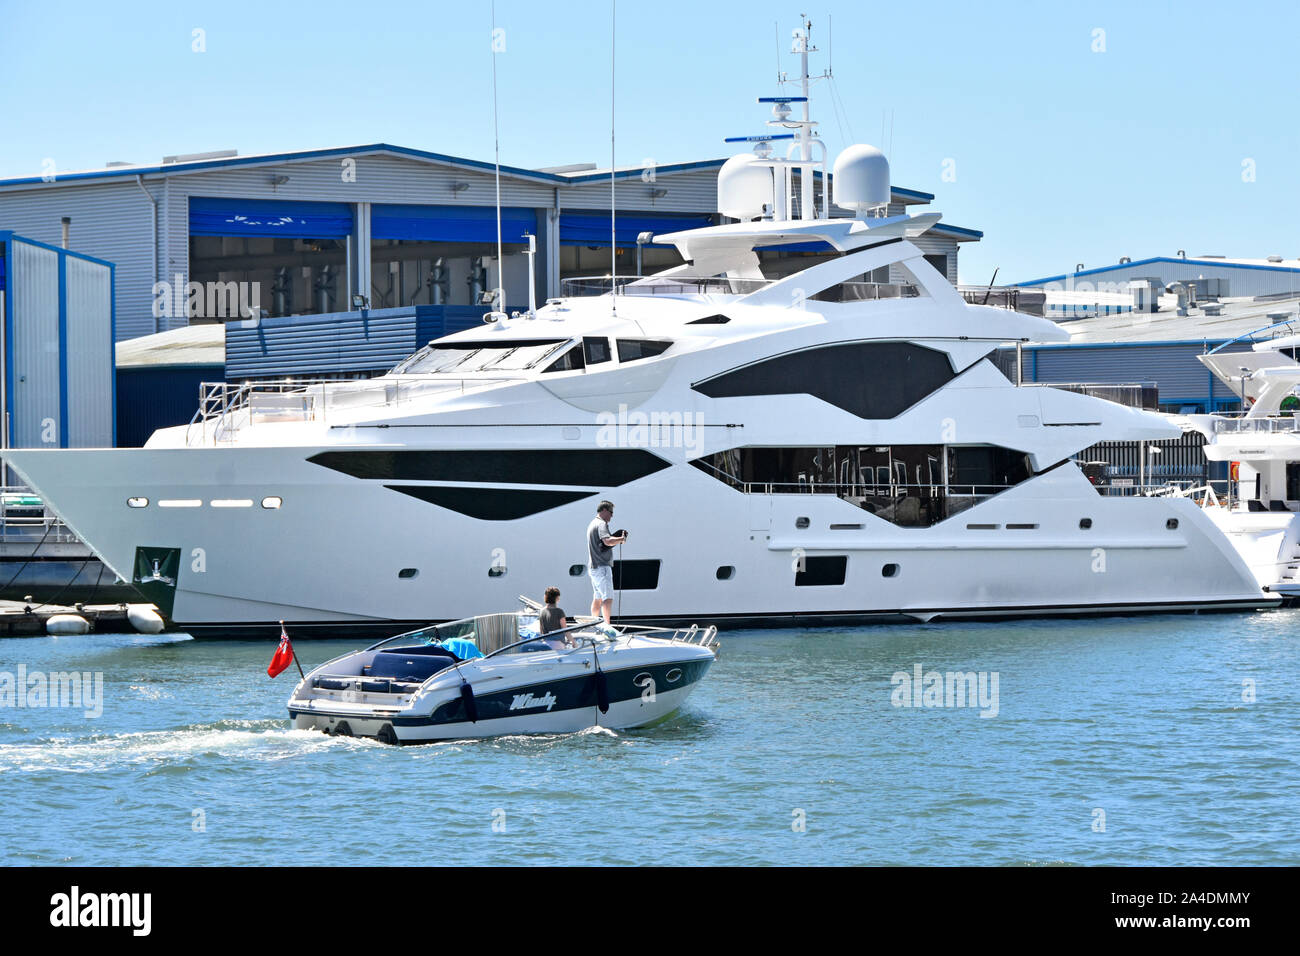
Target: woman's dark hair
[{"x": 552, "y": 595}]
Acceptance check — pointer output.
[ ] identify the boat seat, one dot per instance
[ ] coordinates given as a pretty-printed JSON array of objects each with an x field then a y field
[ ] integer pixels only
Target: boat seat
[
  {"x": 1277, "y": 506},
  {"x": 1254, "y": 504},
  {"x": 417, "y": 667}
]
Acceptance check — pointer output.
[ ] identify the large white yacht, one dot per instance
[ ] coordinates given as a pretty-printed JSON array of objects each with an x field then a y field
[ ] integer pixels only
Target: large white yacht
[
  {"x": 1260, "y": 512},
  {"x": 834, "y": 444}
]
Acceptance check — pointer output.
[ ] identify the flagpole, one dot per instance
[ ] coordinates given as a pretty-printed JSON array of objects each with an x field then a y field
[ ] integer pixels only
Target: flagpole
[{"x": 293, "y": 652}]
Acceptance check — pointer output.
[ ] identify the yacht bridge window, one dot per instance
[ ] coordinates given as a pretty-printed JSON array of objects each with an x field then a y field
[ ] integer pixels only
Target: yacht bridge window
[{"x": 909, "y": 485}]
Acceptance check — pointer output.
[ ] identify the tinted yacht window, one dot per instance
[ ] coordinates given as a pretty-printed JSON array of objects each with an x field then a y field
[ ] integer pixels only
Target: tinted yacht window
[
  {"x": 869, "y": 379},
  {"x": 568, "y": 362},
  {"x": 596, "y": 350},
  {"x": 629, "y": 350}
]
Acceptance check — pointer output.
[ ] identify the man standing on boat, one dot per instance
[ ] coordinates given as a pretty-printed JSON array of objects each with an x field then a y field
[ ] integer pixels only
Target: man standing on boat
[{"x": 600, "y": 559}]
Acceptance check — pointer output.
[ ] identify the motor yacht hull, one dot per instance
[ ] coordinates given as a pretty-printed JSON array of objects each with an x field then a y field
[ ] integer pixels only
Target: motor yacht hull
[{"x": 348, "y": 556}]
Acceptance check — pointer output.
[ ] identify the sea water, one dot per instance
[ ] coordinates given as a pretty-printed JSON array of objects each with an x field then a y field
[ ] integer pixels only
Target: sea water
[{"x": 1155, "y": 740}]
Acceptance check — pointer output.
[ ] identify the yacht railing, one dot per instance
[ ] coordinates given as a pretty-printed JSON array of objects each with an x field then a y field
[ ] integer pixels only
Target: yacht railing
[
  {"x": 225, "y": 408},
  {"x": 1143, "y": 395},
  {"x": 722, "y": 285},
  {"x": 1281, "y": 424},
  {"x": 583, "y": 286},
  {"x": 1275, "y": 331}
]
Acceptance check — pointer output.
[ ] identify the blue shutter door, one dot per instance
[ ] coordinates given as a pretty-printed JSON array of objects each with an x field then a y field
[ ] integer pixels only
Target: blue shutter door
[
  {"x": 269, "y": 217},
  {"x": 451, "y": 223},
  {"x": 592, "y": 228}
]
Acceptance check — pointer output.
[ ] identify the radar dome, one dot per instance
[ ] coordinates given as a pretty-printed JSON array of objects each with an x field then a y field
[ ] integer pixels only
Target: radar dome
[
  {"x": 744, "y": 187},
  {"x": 861, "y": 178}
]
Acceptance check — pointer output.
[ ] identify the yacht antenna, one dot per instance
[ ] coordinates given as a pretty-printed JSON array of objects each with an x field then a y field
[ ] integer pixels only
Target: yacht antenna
[
  {"x": 500, "y": 305},
  {"x": 803, "y": 45},
  {"x": 613, "y": 238}
]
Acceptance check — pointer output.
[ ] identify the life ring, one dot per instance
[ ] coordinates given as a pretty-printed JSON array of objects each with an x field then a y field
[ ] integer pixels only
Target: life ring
[{"x": 1234, "y": 471}]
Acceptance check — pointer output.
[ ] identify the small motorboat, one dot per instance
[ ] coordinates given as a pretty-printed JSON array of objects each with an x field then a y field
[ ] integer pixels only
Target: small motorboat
[{"x": 497, "y": 674}]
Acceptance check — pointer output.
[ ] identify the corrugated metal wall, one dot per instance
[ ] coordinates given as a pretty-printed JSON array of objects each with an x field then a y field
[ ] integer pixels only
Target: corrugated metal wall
[
  {"x": 35, "y": 406},
  {"x": 693, "y": 190},
  {"x": 1173, "y": 367},
  {"x": 345, "y": 342},
  {"x": 110, "y": 221},
  {"x": 149, "y": 398},
  {"x": 89, "y": 336}
]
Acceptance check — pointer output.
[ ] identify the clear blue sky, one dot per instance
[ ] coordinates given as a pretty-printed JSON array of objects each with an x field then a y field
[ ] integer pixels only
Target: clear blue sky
[{"x": 1061, "y": 154}]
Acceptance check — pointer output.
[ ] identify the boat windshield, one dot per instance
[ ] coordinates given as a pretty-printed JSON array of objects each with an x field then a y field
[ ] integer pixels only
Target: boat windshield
[
  {"x": 487, "y": 632},
  {"x": 437, "y": 357}
]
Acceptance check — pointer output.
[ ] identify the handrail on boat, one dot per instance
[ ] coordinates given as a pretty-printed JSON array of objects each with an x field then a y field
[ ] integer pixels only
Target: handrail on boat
[{"x": 1288, "y": 324}]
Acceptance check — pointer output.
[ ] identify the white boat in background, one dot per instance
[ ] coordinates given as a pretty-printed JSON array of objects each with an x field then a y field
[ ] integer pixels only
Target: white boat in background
[
  {"x": 1260, "y": 513},
  {"x": 831, "y": 444}
]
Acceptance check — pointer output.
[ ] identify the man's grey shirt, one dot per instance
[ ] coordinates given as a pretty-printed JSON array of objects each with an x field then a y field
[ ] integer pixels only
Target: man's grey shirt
[{"x": 598, "y": 552}]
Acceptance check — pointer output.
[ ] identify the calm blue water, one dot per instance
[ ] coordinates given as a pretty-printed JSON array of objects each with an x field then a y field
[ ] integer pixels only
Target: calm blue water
[{"x": 1141, "y": 718}]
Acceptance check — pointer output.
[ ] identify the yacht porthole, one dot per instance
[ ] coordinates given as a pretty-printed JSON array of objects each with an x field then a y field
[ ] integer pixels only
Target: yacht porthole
[
  {"x": 408, "y": 573},
  {"x": 272, "y": 501},
  {"x": 575, "y": 570},
  {"x": 801, "y": 522},
  {"x": 180, "y": 503},
  {"x": 1172, "y": 524},
  {"x": 496, "y": 571},
  {"x": 1085, "y": 524},
  {"x": 726, "y": 572},
  {"x": 231, "y": 502},
  {"x": 642, "y": 679},
  {"x": 137, "y": 502},
  {"x": 889, "y": 571},
  {"x": 674, "y": 675}
]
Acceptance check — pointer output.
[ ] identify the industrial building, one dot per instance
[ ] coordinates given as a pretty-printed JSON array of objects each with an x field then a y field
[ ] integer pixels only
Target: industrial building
[
  {"x": 219, "y": 237},
  {"x": 1107, "y": 289},
  {"x": 56, "y": 340}
]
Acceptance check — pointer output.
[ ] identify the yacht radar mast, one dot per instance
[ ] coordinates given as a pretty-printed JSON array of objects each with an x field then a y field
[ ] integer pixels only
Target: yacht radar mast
[{"x": 803, "y": 141}]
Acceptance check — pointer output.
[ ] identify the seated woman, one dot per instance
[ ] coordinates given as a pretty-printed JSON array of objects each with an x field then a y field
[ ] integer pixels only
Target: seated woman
[{"x": 551, "y": 618}]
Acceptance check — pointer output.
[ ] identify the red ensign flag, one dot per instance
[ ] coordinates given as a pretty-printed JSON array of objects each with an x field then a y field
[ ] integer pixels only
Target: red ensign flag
[{"x": 283, "y": 654}]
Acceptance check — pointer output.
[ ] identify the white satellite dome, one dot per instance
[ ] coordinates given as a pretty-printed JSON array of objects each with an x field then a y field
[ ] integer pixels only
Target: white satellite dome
[
  {"x": 861, "y": 178},
  {"x": 744, "y": 188}
]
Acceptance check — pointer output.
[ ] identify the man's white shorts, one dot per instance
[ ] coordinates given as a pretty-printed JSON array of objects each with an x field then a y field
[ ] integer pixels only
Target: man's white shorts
[{"x": 602, "y": 582}]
